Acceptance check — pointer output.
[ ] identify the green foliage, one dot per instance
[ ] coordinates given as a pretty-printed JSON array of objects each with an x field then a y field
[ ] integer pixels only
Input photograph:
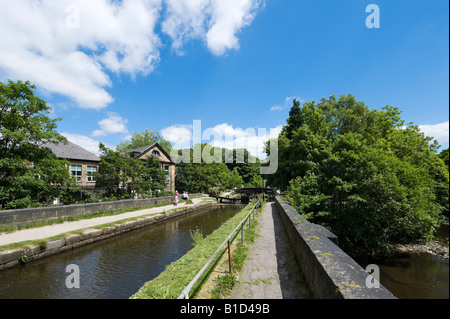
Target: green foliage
[
  {"x": 29, "y": 173},
  {"x": 443, "y": 155},
  {"x": 126, "y": 177},
  {"x": 170, "y": 283},
  {"x": 147, "y": 137},
  {"x": 214, "y": 172},
  {"x": 362, "y": 173}
]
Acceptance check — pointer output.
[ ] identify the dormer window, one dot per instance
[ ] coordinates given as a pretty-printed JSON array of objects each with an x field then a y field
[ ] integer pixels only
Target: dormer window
[{"x": 156, "y": 153}]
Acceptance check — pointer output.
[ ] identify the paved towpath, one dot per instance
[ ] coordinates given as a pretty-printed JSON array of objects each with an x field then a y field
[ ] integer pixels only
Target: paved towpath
[
  {"x": 56, "y": 229},
  {"x": 270, "y": 271}
]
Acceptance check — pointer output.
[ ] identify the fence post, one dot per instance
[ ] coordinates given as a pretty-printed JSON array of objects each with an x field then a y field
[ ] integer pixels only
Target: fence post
[{"x": 242, "y": 233}]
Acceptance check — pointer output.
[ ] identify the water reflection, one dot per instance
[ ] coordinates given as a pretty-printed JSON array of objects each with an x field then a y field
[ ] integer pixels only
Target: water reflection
[
  {"x": 415, "y": 275},
  {"x": 115, "y": 268}
]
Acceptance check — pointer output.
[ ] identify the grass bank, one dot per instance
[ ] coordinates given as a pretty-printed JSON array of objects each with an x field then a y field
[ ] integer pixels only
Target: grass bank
[{"x": 170, "y": 283}]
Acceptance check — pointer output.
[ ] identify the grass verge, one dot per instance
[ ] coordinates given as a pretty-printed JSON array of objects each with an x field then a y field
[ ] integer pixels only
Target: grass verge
[{"x": 170, "y": 283}]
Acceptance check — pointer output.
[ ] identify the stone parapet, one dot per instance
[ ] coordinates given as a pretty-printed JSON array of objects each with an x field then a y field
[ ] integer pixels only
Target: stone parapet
[{"x": 329, "y": 272}]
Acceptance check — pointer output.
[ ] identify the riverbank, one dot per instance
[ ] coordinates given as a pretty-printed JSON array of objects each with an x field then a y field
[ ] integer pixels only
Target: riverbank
[{"x": 434, "y": 247}]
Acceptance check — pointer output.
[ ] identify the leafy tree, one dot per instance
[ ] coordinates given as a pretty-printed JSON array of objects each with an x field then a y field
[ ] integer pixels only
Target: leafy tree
[
  {"x": 246, "y": 165},
  {"x": 127, "y": 177},
  {"x": 209, "y": 177},
  {"x": 147, "y": 137},
  {"x": 183, "y": 177},
  {"x": 154, "y": 175},
  {"x": 362, "y": 173},
  {"x": 295, "y": 119},
  {"x": 443, "y": 155},
  {"x": 29, "y": 173},
  {"x": 235, "y": 180}
]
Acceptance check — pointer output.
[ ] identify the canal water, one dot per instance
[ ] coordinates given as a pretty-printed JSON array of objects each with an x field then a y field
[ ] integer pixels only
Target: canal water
[
  {"x": 115, "y": 268},
  {"x": 415, "y": 275}
]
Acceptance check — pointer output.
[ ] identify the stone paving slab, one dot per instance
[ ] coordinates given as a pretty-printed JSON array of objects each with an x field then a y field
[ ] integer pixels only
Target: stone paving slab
[{"x": 270, "y": 271}]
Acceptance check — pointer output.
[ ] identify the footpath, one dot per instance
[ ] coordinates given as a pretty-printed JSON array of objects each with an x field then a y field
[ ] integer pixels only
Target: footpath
[
  {"x": 57, "y": 229},
  {"x": 270, "y": 270}
]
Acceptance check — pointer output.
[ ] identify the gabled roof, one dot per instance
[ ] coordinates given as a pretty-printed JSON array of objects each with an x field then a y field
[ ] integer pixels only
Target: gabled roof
[
  {"x": 71, "y": 151},
  {"x": 144, "y": 149}
]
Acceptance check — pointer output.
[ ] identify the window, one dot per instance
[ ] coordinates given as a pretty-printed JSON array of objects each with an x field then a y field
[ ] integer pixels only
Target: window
[
  {"x": 166, "y": 168},
  {"x": 156, "y": 153},
  {"x": 75, "y": 172},
  {"x": 91, "y": 170}
]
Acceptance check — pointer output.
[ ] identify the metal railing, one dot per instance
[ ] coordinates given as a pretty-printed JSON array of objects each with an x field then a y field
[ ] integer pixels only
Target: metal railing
[{"x": 185, "y": 293}]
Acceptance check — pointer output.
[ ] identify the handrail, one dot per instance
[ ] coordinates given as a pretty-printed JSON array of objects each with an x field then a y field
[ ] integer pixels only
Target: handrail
[{"x": 185, "y": 293}]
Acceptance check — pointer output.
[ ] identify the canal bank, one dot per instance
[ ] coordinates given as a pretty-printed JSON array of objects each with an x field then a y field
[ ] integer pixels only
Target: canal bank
[
  {"x": 113, "y": 268},
  {"x": 178, "y": 275},
  {"x": 28, "y": 245}
]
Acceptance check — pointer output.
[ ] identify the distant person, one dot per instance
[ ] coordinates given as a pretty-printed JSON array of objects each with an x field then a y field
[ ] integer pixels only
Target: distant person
[{"x": 175, "y": 202}]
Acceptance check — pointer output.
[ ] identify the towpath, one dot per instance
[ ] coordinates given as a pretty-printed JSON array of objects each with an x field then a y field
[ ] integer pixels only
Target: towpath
[
  {"x": 270, "y": 271},
  {"x": 56, "y": 229}
]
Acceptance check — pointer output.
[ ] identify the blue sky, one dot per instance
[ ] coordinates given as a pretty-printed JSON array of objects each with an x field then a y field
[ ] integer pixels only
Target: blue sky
[{"x": 112, "y": 68}]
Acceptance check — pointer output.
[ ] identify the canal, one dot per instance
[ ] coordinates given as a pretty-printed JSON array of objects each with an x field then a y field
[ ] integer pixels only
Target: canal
[{"x": 115, "y": 268}]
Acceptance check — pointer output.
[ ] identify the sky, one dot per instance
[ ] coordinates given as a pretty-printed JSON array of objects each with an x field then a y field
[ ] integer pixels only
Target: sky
[{"x": 229, "y": 69}]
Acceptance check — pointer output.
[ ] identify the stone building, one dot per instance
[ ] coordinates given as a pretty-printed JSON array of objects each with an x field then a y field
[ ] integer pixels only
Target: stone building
[
  {"x": 165, "y": 160},
  {"x": 83, "y": 164}
]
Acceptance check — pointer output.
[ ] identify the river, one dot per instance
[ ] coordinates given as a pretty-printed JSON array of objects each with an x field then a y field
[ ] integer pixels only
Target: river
[
  {"x": 115, "y": 268},
  {"x": 415, "y": 275}
]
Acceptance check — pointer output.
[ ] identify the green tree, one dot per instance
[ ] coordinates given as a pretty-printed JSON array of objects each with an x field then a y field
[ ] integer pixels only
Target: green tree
[
  {"x": 147, "y": 137},
  {"x": 245, "y": 164},
  {"x": 443, "y": 155},
  {"x": 204, "y": 177},
  {"x": 111, "y": 174},
  {"x": 127, "y": 177},
  {"x": 362, "y": 173},
  {"x": 29, "y": 173},
  {"x": 235, "y": 180}
]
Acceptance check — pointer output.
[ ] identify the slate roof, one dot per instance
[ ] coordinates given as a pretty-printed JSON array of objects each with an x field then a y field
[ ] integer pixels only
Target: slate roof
[
  {"x": 144, "y": 149},
  {"x": 71, "y": 151}
]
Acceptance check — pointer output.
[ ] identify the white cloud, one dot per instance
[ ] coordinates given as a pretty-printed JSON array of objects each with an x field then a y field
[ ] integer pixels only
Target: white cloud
[
  {"x": 85, "y": 142},
  {"x": 70, "y": 47},
  {"x": 43, "y": 45},
  {"x": 185, "y": 20},
  {"x": 214, "y": 21},
  {"x": 440, "y": 131},
  {"x": 276, "y": 108},
  {"x": 113, "y": 124},
  {"x": 226, "y": 136},
  {"x": 222, "y": 135},
  {"x": 288, "y": 103},
  {"x": 179, "y": 135},
  {"x": 228, "y": 18}
]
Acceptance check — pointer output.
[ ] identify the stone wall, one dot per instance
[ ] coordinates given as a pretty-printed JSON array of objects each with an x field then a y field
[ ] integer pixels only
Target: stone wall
[
  {"x": 329, "y": 272},
  {"x": 19, "y": 217}
]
